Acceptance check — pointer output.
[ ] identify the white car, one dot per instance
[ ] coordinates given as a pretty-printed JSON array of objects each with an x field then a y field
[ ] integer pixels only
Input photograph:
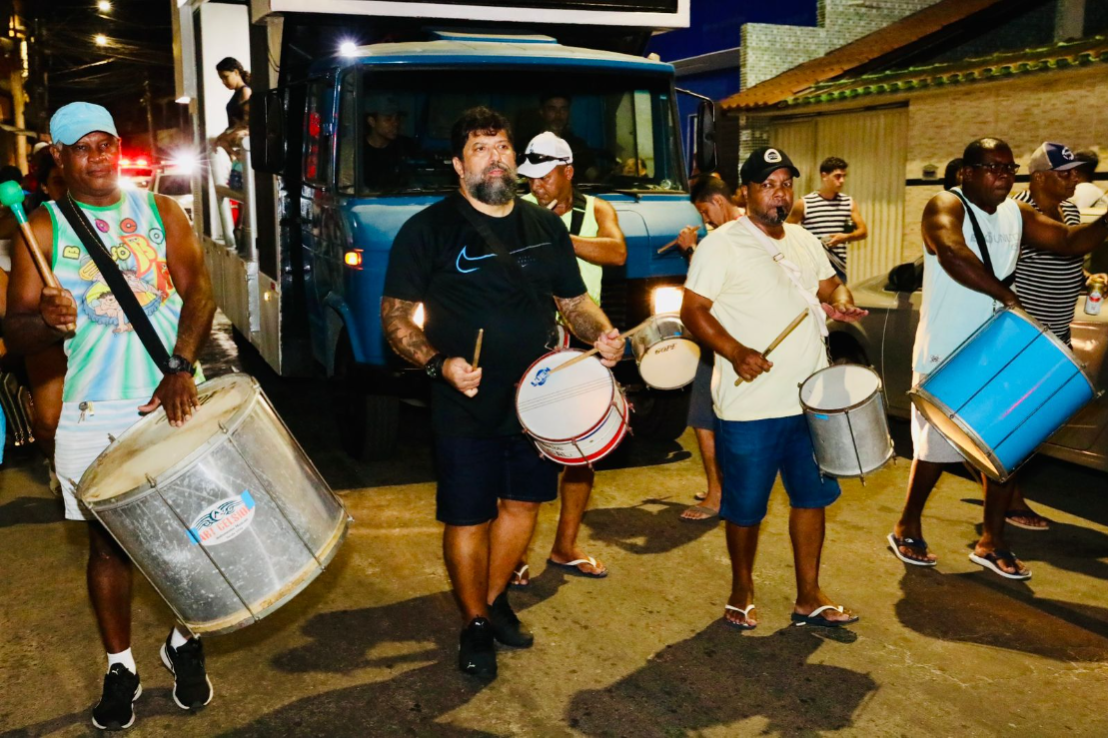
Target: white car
[{"x": 175, "y": 182}]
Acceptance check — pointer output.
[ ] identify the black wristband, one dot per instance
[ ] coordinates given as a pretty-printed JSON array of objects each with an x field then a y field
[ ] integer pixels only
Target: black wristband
[{"x": 433, "y": 368}]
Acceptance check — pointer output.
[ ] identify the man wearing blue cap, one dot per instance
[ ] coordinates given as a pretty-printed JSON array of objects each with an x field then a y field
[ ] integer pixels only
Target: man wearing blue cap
[{"x": 111, "y": 378}]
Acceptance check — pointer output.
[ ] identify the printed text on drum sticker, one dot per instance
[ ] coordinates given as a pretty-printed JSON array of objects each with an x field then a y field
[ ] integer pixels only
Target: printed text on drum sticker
[{"x": 223, "y": 521}]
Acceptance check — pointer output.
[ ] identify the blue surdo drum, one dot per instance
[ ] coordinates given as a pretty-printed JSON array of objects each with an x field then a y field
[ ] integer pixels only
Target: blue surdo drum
[{"x": 1003, "y": 392}]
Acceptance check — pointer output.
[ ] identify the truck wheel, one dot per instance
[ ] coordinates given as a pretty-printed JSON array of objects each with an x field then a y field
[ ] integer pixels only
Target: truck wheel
[
  {"x": 660, "y": 415},
  {"x": 368, "y": 425}
]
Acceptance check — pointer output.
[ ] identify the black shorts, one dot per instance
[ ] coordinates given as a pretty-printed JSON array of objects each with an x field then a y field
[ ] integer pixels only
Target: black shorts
[{"x": 474, "y": 474}]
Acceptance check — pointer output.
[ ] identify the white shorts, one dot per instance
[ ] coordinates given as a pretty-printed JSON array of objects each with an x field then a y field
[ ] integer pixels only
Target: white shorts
[
  {"x": 79, "y": 441},
  {"x": 928, "y": 445}
]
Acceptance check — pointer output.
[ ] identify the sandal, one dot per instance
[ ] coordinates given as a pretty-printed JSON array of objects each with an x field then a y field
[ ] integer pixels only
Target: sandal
[
  {"x": 574, "y": 567},
  {"x": 814, "y": 619},
  {"x": 993, "y": 560},
  {"x": 520, "y": 579},
  {"x": 746, "y": 614},
  {"x": 1041, "y": 523},
  {"x": 896, "y": 543}
]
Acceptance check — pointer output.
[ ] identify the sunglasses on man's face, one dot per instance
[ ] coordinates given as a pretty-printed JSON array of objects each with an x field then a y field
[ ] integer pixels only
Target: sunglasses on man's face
[
  {"x": 996, "y": 168},
  {"x": 534, "y": 158}
]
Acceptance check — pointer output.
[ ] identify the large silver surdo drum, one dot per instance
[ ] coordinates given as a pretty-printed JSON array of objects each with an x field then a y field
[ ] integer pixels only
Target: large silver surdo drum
[
  {"x": 226, "y": 516},
  {"x": 845, "y": 411}
]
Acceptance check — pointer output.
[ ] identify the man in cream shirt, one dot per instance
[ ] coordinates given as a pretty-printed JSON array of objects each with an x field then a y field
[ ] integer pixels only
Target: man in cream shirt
[{"x": 748, "y": 280}]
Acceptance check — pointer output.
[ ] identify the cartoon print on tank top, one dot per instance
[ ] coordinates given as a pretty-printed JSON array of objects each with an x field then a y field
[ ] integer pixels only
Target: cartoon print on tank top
[{"x": 145, "y": 272}]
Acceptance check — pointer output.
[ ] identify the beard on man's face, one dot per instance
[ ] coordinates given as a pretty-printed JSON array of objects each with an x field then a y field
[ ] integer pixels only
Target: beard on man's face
[
  {"x": 773, "y": 216},
  {"x": 495, "y": 190}
]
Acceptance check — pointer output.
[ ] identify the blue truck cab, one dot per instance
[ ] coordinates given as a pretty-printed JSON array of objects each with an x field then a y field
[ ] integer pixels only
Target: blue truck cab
[{"x": 622, "y": 117}]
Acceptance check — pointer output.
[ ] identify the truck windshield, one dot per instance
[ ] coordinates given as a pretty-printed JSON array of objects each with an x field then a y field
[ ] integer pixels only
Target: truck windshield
[{"x": 620, "y": 126}]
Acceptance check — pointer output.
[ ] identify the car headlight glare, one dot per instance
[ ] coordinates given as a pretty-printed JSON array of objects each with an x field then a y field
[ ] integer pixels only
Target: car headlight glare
[{"x": 666, "y": 299}]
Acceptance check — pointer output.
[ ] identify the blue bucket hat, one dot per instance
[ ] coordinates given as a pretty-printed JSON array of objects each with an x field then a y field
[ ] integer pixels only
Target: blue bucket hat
[{"x": 70, "y": 123}]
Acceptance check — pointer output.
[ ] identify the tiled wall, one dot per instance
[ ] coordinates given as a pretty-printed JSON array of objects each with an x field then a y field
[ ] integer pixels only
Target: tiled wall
[{"x": 768, "y": 50}]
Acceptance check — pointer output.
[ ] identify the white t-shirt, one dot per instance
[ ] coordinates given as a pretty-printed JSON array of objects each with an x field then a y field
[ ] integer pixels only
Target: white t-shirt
[
  {"x": 754, "y": 300},
  {"x": 1087, "y": 195},
  {"x": 950, "y": 311}
]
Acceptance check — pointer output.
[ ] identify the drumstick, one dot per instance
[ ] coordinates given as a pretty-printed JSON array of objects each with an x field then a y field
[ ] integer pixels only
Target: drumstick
[
  {"x": 671, "y": 244},
  {"x": 781, "y": 337},
  {"x": 11, "y": 195},
  {"x": 594, "y": 350},
  {"x": 477, "y": 349}
]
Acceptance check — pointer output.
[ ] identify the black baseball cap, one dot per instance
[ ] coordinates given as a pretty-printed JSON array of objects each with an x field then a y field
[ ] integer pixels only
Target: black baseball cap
[{"x": 763, "y": 162}]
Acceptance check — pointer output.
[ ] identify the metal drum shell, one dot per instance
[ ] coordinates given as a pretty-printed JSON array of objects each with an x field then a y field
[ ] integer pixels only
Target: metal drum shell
[
  {"x": 660, "y": 329},
  {"x": 853, "y": 441},
  {"x": 1036, "y": 385},
  {"x": 296, "y": 523}
]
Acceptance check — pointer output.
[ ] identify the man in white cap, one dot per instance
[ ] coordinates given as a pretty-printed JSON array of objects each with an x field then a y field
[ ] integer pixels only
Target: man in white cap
[
  {"x": 598, "y": 242},
  {"x": 111, "y": 378},
  {"x": 1048, "y": 283}
]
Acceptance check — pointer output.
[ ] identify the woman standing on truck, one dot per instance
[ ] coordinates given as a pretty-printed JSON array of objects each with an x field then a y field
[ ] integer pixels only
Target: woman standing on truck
[{"x": 236, "y": 79}]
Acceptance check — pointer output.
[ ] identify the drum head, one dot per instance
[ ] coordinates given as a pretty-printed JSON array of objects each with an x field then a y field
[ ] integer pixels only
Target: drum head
[
  {"x": 670, "y": 364},
  {"x": 567, "y": 404},
  {"x": 839, "y": 388},
  {"x": 152, "y": 447}
]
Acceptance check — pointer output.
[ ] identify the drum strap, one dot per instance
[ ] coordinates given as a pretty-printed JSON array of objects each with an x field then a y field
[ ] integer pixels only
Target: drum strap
[
  {"x": 123, "y": 293},
  {"x": 981, "y": 243},
  {"x": 577, "y": 220},
  {"x": 496, "y": 246},
  {"x": 792, "y": 272}
]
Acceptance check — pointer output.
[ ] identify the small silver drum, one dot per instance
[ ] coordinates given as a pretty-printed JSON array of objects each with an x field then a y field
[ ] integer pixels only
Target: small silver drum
[
  {"x": 226, "y": 516},
  {"x": 666, "y": 352},
  {"x": 846, "y": 416}
]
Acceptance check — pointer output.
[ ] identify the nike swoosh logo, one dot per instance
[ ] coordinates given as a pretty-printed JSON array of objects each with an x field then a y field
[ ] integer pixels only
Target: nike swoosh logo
[{"x": 463, "y": 256}]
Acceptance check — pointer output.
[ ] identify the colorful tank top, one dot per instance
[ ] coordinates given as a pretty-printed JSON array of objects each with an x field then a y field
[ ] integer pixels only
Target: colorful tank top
[{"x": 107, "y": 360}]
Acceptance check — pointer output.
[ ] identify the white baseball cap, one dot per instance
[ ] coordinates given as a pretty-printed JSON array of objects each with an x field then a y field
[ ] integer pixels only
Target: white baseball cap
[{"x": 545, "y": 152}]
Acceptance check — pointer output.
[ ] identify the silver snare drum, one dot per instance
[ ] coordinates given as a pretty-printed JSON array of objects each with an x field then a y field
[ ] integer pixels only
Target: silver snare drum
[
  {"x": 846, "y": 416},
  {"x": 666, "y": 353},
  {"x": 226, "y": 516}
]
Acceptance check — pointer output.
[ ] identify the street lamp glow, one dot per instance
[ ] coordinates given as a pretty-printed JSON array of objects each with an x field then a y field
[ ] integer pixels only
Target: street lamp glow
[
  {"x": 348, "y": 48},
  {"x": 104, "y": 6},
  {"x": 101, "y": 39}
]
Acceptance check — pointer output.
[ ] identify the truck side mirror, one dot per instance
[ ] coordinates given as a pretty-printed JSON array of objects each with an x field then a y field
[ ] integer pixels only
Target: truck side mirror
[
  {"x": 267, "y": 127},
  {"x": 706, "y": 137}
]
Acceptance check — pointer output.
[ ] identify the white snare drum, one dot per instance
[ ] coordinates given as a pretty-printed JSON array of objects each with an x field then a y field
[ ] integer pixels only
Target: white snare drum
[
  {"x": 846, "y": 416},
  {"x": 666, "y": 353},
  {"x": 226, "y": 516},
  {"x": 576, "y": 416}
]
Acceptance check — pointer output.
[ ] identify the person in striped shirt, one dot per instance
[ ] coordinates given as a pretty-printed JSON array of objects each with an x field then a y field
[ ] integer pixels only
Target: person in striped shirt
[
  {"x": 1047, "y": 283},
  {"x": 831, "y": 216}
]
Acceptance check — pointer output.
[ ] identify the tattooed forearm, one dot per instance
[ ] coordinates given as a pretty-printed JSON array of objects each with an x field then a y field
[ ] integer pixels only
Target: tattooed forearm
[
  {"x": 584, "y": 317},
  {"x": 405, "y": 337}
]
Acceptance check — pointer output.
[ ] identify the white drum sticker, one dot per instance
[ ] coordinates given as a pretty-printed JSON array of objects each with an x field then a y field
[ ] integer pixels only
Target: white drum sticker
[{"x": 223, "y": 521}]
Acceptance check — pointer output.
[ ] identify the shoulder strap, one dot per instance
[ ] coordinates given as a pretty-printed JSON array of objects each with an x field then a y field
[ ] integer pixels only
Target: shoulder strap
[
  {"x": 117, "y": 283},
  {"x": 580, "y": 207},
  {"x": 791, "y": 271},
  {"x": 979, "y": 235},
  {"x": 496, "y": 246}
]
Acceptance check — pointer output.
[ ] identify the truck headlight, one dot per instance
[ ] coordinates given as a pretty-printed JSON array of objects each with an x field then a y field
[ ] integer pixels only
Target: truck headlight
[{"x": 666, "y": 299}]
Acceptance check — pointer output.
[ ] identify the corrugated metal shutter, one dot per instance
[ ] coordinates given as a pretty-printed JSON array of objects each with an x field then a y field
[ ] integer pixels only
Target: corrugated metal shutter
[{"x": 875, "y": 146}]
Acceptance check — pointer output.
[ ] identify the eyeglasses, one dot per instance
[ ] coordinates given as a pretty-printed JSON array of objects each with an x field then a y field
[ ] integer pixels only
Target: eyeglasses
[
  {"x": 996, "y": 168},
  {"x": 534, "y": 158}
]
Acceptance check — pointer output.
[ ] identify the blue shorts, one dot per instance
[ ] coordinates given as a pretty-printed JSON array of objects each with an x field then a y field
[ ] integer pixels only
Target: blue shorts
[
  {"x": 474, "y": 474},
  {"x": 751, "y": 453}
]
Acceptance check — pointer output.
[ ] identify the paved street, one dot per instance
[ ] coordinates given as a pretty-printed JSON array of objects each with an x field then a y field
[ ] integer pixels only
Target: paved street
[{"x": 368, "y": 649}]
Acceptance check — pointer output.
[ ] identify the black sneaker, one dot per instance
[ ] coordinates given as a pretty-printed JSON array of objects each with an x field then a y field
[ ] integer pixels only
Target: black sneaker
[
  {"x": 115, "y": 711},
  {"x": 476, "y": 652},
  {"x": 506, "y": 626},
  {"x": 191, "y": 686}
]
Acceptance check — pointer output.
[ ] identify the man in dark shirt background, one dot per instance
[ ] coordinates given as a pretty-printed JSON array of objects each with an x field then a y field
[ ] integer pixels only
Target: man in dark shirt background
[
  {"x": 491, "y": 480},
  {"x": 385, "y": 154}
]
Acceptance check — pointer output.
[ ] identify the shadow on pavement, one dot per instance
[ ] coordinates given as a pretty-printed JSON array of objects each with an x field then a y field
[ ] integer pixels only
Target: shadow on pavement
[
  {"x": 980, "y": 608},
  {"x": 721, "y": 676},
  {"x": 153, "y": 703},
  {"x": 403, "y": 636},
  {"x": 638, "y": 530},
  {"x": 30, "y": 510}
]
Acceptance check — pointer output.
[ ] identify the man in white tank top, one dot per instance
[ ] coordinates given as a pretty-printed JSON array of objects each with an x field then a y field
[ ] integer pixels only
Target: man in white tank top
[
  {"x": 960, "y": 294},
  {"x": 598, "y": 241}
]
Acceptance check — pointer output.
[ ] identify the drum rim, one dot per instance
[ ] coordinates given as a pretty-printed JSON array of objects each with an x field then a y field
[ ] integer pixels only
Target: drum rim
[
  {"x": 174, "y": 471},
  {"x": 625, "y": 425},
  {"x": 1000, "y": 473},
  {"x": 593, "y": 427},
  {"x": 638, "y": 341},
  {"x": 892, "y": 453},
  {"x": 639, "y": 360},
  {"x": 879, "y": 391}
]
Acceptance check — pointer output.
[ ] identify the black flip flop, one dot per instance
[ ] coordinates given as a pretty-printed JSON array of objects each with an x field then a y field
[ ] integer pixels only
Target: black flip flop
[
  {"x": 992, "y": 560},
  {"x": 814, "y": 619},
  {"x": 896, "y": 543}
]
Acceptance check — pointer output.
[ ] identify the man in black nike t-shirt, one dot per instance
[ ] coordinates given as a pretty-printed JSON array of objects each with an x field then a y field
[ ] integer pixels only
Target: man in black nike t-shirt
[{"x": 491, "y": 479}]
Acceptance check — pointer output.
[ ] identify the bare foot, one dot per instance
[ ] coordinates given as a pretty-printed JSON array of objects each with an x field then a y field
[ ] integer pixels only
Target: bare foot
[{"x": 701, "y": 512}]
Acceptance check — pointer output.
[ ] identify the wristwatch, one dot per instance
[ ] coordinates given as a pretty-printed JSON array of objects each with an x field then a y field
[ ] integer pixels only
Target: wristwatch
[
  {"x": 177, "y": 363},
  {"x": 433, "y": 368}
]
